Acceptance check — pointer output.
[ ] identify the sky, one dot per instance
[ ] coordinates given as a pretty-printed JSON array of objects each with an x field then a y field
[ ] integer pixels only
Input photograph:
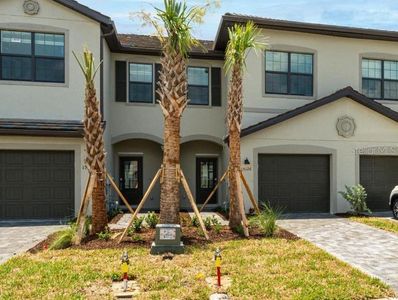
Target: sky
[{"x": 379, "y": 14}]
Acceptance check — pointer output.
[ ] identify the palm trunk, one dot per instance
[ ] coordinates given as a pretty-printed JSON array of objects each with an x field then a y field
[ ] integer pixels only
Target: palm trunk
[
  {"x": 95, "y": 158},
  {"x": 173, "y": 94},
  {"x": 169, "y": 189},
  {"x": 234, "y": 123}
]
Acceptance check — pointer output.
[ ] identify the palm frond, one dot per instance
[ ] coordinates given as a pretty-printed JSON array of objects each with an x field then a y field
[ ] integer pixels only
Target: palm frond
[
  {"x": 87, "y": 65},
  {"x": 241, "y": 39},
  {"x": 173, "y": 23}
]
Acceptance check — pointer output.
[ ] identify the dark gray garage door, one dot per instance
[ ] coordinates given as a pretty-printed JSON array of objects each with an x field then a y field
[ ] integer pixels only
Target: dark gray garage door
[
  {"x": 378, "y": 175},
  {"x": 36, "y": 184},
  {"x": 295, "y": 183}
]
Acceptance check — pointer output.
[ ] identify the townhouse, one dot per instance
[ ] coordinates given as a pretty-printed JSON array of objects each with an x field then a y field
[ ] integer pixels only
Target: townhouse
[{"x": 319, "y": 112}]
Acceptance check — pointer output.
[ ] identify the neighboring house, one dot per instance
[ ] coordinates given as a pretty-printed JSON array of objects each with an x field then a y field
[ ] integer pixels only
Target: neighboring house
[{"x": 311, "y": 125}]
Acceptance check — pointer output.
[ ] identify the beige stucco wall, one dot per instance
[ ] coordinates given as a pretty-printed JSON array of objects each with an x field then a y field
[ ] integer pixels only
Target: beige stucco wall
[
  {"x": 337, "y": 64},
  {"x": 315, "y": 132},
  {"x": 129, "y": 119},
  {"x": 31, "y": 100},
  {"x": 52, "y": 143}
]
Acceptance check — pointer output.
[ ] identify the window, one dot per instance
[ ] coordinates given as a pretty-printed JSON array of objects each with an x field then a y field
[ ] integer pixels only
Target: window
[
  {"x": 380, "y": 79},
  {"x": 31, "y": 56},
  {"x": 198, "y": 85},
  {"x": 288, "y": 73},
  {"x": 140, "y": 83}
]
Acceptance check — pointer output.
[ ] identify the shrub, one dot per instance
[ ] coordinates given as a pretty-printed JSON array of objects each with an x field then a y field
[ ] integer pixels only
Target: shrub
[
  {"x": 208, "y": 221},
  {"x": 152, "y": 219},
  {"x": 64, "y": 238},
  {"x": 239, "y": 229},
  {"x": 356, "y": 196},
  {"x": 87, "y": 225},
  {"x": 195, "y": 221},
  {"x": 266, "y": 220},
  {"x": 104, "y": 235},
  {"x": 136, "y": 226}
]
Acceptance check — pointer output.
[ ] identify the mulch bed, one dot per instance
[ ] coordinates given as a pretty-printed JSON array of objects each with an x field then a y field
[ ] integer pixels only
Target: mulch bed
[{"x": 191, "y": 235}]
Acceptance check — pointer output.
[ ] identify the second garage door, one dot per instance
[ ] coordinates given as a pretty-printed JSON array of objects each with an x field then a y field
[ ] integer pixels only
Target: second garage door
[
  {"x": 378, "y": 175},
  {"x": 294, "y": 183},
  {"x": 36, "y": 184}
]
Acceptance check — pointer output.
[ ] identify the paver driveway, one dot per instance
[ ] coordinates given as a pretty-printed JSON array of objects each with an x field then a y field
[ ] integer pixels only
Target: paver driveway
[
  {"x": 16, "y": 238},
  {"x": 371, "y": 250}
]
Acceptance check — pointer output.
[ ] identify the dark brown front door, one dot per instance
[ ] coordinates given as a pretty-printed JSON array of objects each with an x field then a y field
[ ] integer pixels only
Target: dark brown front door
[
  {"x": 131, "y": 178},
  {"x": 206, "y": 179}
]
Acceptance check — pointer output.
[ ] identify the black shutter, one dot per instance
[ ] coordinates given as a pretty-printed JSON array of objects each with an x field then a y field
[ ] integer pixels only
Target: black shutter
[
  {"x": 216, "y": 86},
  {"x": 158, "y": 67},
  {"x": 120, "y": 81}
]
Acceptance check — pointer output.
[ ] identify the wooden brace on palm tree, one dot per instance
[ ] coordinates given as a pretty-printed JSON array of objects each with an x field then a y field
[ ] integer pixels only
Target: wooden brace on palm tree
[
  {"x": 245, "y": 184},
  {"x": 158, "y": 176}
]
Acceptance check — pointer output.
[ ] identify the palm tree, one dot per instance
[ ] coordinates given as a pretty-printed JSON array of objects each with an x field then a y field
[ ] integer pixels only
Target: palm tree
[
  {"x": 173, "y": 25},
  {"x": 94, "y": 139},
  {"x": 241, "y": 39}
]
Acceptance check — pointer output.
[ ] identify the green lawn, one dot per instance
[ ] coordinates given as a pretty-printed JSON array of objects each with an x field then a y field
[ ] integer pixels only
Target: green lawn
[
  {"x": 260, "y": 269},
  {"x": 381, "y": 223}
]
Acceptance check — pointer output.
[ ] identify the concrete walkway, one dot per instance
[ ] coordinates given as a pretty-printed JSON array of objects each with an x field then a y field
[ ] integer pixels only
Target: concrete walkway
[
  {"x": 17, "y": 237},
  {"x": 371, "y": 250},
  {"x": 125, "y": 219}
]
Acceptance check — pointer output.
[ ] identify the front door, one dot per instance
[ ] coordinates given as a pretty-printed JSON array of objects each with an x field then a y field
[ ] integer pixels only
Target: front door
[
  {"x": 206, "y": 179},
  {"x": 130, "y": 179}
]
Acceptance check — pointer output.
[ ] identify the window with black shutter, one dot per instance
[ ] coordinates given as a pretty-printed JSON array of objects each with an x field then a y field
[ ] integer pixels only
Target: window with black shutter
[{"x": 140, "y": 83}]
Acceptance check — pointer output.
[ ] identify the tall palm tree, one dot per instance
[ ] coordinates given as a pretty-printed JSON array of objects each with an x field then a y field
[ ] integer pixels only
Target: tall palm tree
[
  {"x": 173, "y": 24},
  {"x": 94, "y": 139},
  {"x": 241, "y": 39}
]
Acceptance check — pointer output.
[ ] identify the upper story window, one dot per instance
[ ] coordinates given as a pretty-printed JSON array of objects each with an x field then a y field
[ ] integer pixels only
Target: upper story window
[
  {"x": 288, "y": 73},
  {"x": 141, "y": 83},
  {"x": 198, "y": 85},
  {"x": 32, "y": 56},
  {"x": 380, "y": 79},
  {"x": 137, "y": 83}
]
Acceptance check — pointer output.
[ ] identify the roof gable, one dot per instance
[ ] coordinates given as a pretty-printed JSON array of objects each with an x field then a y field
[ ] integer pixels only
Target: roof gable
[
  {"x": 229, "y": 19},
  {"x": 347, "y": 92}
]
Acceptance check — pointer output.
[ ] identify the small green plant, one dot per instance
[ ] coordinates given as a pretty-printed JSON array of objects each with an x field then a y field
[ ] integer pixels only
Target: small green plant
[
  {"x": 216, "y": 224},
  {"x": 135, "y": 237},
  {"x": 356, "y": 196},
  {"x": 208, "y": 221},
  {"x": 136, "y": 226},
  {"x": 195, "y": 221},
  {"x": 87, "y": 225},
  {"x": 152, "y": 219},
  {"x": 266, "y": 220},
  {"x": 64, "y": 238},
  {"x": 104, "y": 235},
  {"x": 239, "y": 229}
]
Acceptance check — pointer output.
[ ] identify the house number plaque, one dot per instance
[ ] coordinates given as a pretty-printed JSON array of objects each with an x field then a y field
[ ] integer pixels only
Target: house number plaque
[{"x": 167, "y": 234}]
